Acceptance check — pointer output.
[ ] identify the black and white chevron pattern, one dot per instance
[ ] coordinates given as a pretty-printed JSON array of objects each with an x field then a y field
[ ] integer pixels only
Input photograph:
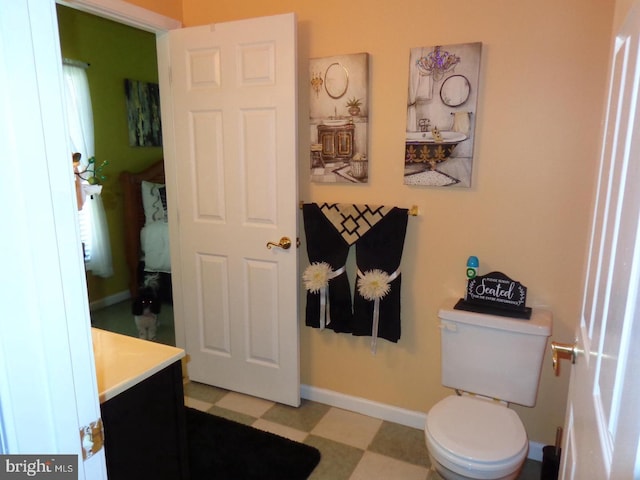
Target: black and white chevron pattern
[{"x": 353, "y": 221}]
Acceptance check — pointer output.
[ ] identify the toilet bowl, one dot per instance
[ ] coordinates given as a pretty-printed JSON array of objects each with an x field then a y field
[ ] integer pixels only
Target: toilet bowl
[{"x": 475, "y": 438}]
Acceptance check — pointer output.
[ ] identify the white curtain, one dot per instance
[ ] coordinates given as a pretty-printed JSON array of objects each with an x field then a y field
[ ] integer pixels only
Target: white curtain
[
  {"x": 80, "y": 120},
  {"x": 420, "y": 89}
]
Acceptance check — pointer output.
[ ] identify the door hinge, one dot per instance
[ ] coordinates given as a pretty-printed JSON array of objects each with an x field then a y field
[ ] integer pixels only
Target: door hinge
[{"x": 91, "y": 438}]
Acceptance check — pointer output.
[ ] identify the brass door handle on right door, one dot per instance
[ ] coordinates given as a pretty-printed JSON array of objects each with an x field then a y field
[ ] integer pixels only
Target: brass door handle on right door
[{"x": 568, "y": 351}]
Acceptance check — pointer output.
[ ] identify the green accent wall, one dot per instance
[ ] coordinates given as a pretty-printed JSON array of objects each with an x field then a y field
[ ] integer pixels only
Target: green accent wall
[{"x": 115, "y": 52}]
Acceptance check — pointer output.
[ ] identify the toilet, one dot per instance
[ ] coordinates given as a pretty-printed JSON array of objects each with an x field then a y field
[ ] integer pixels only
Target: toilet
[{"x": 490, "y": 361}]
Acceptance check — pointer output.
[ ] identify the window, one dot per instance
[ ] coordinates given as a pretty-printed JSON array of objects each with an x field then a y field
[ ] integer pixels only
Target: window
[{"x": 92, "y": 219}]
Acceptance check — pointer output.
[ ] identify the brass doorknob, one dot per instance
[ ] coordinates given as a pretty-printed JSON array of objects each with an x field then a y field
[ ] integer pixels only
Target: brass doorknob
[
  {"x": 284, "y": 243},
  {"x": 559, "y": 350}
]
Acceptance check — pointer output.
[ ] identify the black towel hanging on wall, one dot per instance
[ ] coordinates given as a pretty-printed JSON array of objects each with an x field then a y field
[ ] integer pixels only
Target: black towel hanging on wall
[
  {"x": 378, "y": 233},
  {"x": 380, "y": 251},
  {"x": 325, "y": 244}
]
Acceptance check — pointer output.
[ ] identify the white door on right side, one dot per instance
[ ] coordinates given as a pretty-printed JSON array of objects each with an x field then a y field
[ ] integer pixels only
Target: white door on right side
[{"x": 603, "y": 412}]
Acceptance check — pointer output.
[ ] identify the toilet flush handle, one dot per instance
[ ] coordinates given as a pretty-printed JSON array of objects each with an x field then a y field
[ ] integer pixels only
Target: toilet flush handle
[
  {"x": 559, "y": 350},
  {"x": 450, "y": 327}
]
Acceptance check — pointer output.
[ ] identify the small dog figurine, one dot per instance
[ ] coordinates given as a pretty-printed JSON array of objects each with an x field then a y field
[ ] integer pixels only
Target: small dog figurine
[{"x": 145, "y": 309}]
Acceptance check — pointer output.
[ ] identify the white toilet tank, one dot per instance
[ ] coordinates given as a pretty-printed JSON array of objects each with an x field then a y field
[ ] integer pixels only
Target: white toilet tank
[{"x": 493, "y": 356}]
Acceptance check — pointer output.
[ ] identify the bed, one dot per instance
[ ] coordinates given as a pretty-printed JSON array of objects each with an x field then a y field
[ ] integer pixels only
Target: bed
[{"x": 146, "y": 232}]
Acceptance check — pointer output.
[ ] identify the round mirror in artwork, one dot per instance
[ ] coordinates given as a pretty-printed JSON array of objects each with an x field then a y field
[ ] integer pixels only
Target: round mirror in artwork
[
  {"x": 336, "y": 80},
  {"x": 455, "y": 90}
]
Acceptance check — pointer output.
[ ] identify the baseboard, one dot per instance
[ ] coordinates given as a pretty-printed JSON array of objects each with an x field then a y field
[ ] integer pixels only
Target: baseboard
[
  {"x": 370, "y": 408},
  {"x": 535, "y": 451},
  {"x": 110, "y": 300},
  {"x": 409, "y": 418}
]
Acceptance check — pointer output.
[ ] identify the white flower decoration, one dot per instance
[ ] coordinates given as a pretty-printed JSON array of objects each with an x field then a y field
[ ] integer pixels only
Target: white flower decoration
[
  {"x": 316, "y": 276},
  {"x": 374, "y": 284}
]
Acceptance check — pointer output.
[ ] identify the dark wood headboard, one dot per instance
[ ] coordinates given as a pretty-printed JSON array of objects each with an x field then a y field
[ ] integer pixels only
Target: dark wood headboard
[{"x": 134, "y": 217}]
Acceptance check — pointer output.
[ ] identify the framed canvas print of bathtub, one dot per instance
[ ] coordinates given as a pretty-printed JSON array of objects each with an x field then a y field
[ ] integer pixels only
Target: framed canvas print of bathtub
[
  {"x": 442, "y": 100},
  {"x": 339, "y": 118}
]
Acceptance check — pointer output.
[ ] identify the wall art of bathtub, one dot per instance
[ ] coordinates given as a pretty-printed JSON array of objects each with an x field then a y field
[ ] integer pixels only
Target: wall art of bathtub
[{"x": 431, "y": 148}]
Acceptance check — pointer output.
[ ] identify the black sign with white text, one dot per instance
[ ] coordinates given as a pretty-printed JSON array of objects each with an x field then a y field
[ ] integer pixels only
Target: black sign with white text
[{"x": 497, "y": 294}]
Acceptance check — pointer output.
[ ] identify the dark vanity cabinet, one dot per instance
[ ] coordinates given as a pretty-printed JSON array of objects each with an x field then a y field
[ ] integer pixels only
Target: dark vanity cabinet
[
  {"x": 144, "y": 427},
  {"x": 337, "y": 142}
]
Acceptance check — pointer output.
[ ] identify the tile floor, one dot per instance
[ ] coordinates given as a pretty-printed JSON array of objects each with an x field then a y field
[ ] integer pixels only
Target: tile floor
[
  {"x": 118, "y": 318},
  {"x": 353, "y": 446}
]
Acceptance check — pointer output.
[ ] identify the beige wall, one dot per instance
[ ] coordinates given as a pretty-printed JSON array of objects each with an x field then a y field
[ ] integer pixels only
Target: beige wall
[
  {"x": 621, "y": 11},
  {"x": 168, "y": 8},
  {"x": 542, "y": 86}
]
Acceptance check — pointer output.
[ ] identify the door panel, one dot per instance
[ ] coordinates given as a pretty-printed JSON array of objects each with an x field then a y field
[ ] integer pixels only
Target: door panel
[
  {"x": 208, "y": 166},
  {"x": 236, "y": 180},
  {"x": 215, "y": 326},
  {"x": 258, "y": 132},
  {"x": 262, "y": 319}
]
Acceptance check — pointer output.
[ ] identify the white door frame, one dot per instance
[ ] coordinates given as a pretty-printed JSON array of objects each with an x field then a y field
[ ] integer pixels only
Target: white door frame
[
  {"x": 137, "y": 17},
  {"x": 48, "y": 386},
  {"x": 125, "y": 13}
]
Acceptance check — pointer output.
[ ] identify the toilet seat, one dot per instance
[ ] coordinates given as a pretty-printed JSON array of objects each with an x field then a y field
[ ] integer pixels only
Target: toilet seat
[{"x": 475, "y": 437}]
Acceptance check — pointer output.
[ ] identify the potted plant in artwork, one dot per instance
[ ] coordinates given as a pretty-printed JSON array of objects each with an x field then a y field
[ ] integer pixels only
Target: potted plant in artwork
[{"x": 353, "y": 106}]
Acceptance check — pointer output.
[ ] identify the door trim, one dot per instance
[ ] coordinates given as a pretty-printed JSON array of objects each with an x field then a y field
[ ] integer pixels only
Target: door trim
[
  {"x": 138, "y": 17},
  {"x": 125, "y": 13}
]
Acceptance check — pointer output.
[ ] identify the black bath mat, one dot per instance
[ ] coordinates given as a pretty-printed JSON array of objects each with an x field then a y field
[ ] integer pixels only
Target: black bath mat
[{"x": 221, "y": 449}]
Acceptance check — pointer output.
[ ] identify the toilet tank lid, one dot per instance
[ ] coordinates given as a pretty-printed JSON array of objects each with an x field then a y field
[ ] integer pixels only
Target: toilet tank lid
[{"x": 539, "y": 323}]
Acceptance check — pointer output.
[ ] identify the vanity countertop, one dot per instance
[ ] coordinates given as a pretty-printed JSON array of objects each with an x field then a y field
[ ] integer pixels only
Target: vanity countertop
[{"x": 123, "y": 361}]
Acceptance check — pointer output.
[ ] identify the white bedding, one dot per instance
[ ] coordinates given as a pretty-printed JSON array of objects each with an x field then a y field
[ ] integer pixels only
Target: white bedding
[{"x": 154, "y": 238}]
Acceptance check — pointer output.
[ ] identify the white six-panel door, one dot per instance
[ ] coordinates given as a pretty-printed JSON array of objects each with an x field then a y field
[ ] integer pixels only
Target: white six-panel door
[
  {"x": 234, "y": 169},
  {"x": 603, "y": 413}
]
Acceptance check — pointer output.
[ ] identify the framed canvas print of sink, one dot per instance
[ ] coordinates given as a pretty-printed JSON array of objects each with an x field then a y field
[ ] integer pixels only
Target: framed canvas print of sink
[{"x": 339, "y": 118}]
